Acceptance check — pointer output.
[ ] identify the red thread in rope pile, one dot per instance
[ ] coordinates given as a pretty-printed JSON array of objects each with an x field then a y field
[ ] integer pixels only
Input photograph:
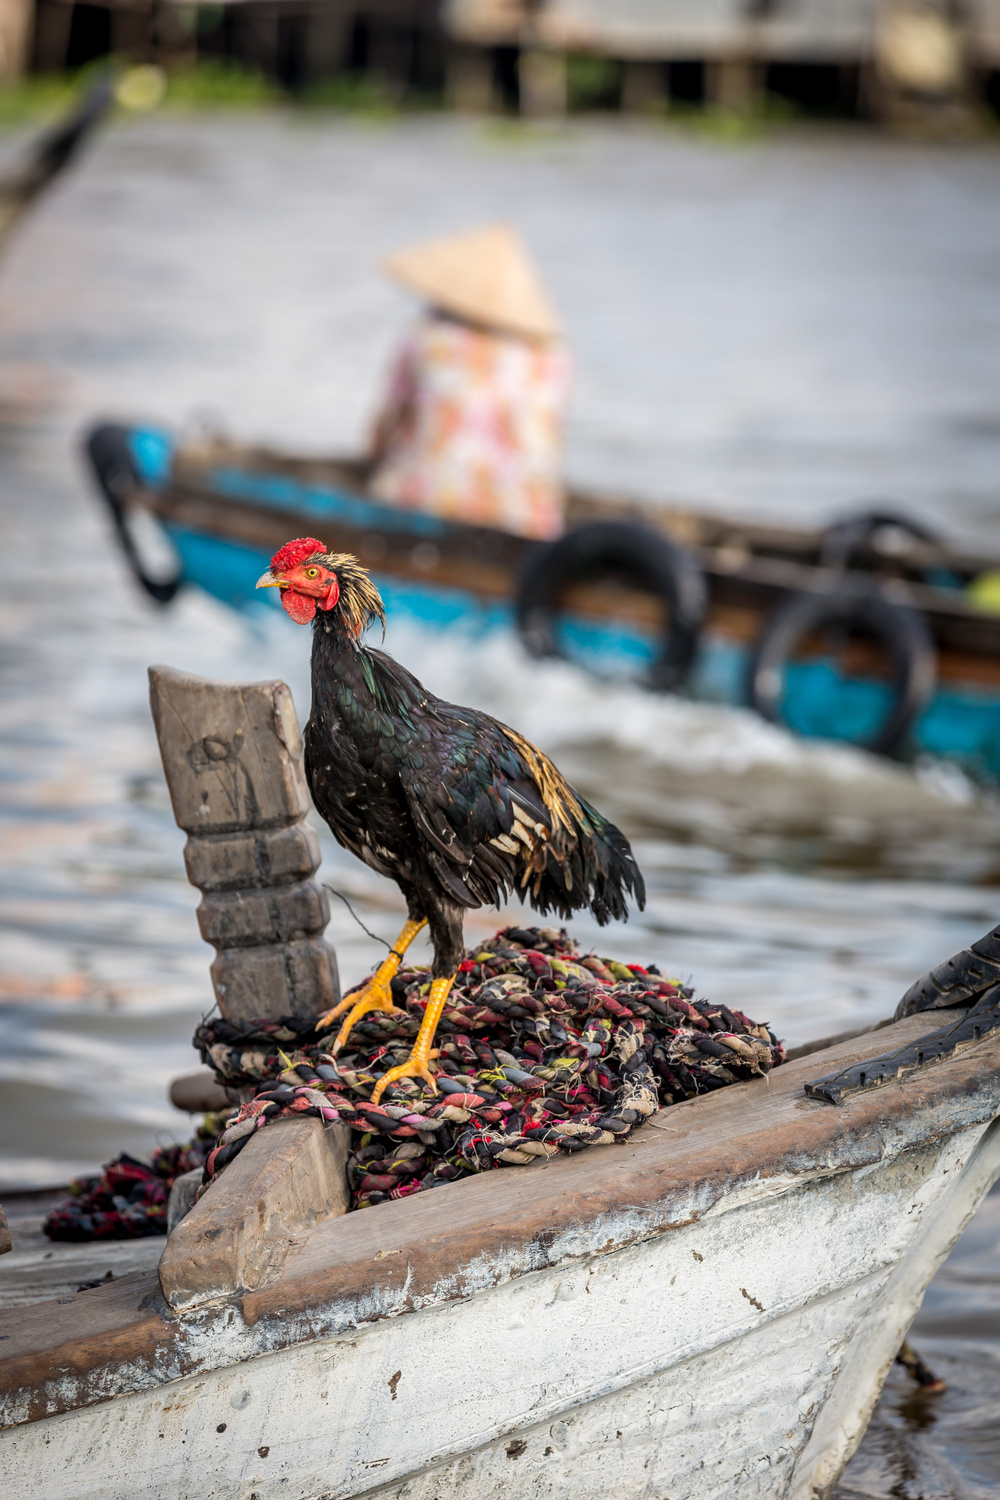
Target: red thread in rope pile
[
  {"x": 541, "y": 1050},
  {"x": 128, "y": 1199}
]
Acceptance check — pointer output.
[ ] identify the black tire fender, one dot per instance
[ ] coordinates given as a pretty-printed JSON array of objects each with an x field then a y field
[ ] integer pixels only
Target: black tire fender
[
  {"x": 849, "y": 540},
  {"x": 904, "y": 631},
  {"x": 648, "y": 556},
  {"x": 107, "y": 447}
]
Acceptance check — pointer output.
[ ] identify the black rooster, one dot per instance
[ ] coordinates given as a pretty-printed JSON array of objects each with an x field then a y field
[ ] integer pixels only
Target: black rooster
[{"x": 455, "y": 807}]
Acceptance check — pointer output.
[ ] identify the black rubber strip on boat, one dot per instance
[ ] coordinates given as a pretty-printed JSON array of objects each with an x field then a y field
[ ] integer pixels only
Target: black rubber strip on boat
[
  {"x": 892, "y": 1067},
  {"x": 958, "y": 981}
]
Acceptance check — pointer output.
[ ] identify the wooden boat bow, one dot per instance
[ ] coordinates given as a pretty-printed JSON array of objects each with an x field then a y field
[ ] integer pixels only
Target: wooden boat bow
[
  {"x": 743, "y": 1145},
  {"x": 748, "y": 1262}
]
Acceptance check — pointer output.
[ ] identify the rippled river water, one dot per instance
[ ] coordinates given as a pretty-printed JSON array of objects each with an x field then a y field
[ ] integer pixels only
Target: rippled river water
[{"x": 781, "y": 328}]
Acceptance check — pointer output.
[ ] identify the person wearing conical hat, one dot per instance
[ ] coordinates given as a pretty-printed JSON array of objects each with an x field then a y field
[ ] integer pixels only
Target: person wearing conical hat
[{"x": 471, "y": 425}]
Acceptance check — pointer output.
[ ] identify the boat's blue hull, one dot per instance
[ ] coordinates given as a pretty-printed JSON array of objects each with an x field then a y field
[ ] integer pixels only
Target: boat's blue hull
[{"x": 962, "y": 721}]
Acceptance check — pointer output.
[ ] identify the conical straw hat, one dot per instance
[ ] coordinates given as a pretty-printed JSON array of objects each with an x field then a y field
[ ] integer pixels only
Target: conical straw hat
[{"x": 485, "y": 276}]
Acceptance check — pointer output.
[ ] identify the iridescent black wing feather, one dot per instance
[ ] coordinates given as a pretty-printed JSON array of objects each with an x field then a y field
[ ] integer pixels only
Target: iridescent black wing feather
[{"x": 495, "y": 815}]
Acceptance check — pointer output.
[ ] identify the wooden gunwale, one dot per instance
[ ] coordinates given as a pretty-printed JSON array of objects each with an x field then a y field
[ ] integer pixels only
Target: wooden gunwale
[
  {"x": 746, "y": 1143},
  {"x": 729, "y": 535},
  {"x": 748, "y": 568}
]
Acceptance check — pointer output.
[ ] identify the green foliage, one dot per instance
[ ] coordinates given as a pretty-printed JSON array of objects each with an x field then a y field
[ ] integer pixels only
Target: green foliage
[
  {"x": 729, "y": 126},
  {"x": 200, "y": 20},
  {"x": 514, "y": 133},
  {"x": 40, "y": 98},
  {"x": 352, "y": 93},
  {"x": 220, "y": 83},
  {"x": 209, "y": 84},
  {"x": 733, "y": 127},
  {"x": 592, "y": 82}
]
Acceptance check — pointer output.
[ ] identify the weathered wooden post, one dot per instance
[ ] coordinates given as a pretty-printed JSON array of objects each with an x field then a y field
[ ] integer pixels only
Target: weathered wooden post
[
  {"x": 15, "y": 29},
  {"x": 232, "y": 754}
]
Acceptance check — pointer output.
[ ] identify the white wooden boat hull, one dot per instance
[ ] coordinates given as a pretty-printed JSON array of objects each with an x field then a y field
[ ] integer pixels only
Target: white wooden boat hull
[{"x": 738, "y": 1337}]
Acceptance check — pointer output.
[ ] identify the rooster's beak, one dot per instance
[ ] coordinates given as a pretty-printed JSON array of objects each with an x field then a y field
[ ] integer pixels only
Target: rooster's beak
[{"x": 268, "y": 581}]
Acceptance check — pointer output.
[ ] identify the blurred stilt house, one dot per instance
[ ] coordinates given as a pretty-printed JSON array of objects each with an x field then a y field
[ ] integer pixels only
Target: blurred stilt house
[
  {"x": 544, "y": 56},
  {"x": 836, "y": 56},
  {"x": 295, "y": 42}
]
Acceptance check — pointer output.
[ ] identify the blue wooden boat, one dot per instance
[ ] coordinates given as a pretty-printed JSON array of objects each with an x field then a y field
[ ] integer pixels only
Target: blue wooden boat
[{"x": 871, "y": 631}]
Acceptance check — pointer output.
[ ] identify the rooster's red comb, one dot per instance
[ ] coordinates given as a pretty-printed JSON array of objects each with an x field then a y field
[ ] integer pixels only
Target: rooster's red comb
[{"x": 292, "y": 553}]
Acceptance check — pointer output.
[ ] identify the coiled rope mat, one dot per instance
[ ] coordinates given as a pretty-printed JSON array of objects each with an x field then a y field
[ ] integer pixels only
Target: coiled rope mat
[{"x": 541, "y": 1050}]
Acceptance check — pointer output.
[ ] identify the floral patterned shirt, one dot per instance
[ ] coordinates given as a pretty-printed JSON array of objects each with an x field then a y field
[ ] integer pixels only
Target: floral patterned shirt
[{"x": 471, "y": 428}]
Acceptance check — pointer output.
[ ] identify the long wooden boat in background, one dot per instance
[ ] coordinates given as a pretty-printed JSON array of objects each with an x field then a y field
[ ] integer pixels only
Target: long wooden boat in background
[
  {"x": 870, "y": 631},
  {"x": 709, "y": 1308},
  {"x": 51, "y": 153}
]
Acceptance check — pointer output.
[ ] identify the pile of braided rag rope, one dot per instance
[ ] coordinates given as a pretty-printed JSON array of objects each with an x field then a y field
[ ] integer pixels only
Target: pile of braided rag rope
[
  {"x": 541, "y": 1050},
  {"x": 128, "y": 1199}
]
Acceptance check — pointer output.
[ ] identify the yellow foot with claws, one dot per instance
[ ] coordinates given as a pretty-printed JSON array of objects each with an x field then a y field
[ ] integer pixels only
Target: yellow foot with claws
[
  {"x": 375, "y": 995},
  {"x": 416, "y": 1065}
]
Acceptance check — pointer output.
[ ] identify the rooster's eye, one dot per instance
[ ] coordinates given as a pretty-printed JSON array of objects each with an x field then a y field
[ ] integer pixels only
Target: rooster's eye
[{"x": 312, "y": 572}]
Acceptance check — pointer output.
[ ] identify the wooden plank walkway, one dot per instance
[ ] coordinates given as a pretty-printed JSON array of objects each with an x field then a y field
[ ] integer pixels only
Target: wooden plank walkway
[{"x": 37, "y": 1269}]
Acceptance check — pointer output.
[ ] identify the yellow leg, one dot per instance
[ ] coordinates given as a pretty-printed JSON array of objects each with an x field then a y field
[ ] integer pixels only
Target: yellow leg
[
  {"x": 376, "y": 994},
  {"x": 417, "y": 1064}
]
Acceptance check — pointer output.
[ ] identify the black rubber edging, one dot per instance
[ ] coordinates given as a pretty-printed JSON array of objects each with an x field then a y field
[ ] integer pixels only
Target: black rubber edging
[
  {"x": 848, "y": 539},
  {"x": 107, "y": 447},
  {"x": 645, "y": 555},
  {"x": 904, "y": 631}
]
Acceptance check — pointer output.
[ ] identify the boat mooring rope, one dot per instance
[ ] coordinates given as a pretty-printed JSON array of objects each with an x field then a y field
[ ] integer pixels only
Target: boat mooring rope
[{"x": 541, "y": 1050}]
